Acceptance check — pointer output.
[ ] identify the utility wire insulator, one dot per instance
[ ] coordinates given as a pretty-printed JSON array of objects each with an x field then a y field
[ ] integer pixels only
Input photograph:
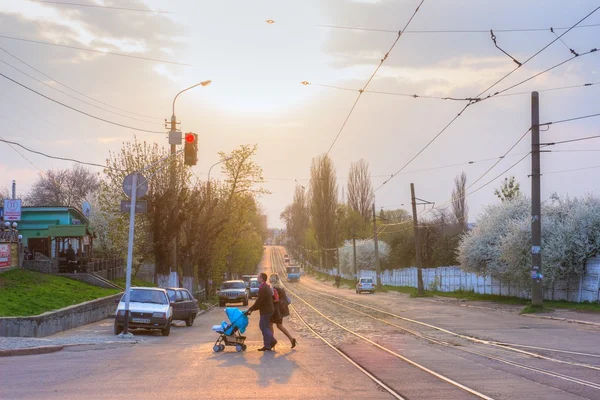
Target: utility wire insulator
[{"x": 499, "y": 48}]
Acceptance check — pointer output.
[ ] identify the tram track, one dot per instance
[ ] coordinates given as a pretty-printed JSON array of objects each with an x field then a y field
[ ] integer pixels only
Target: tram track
[{"x": 476, "y": 341}]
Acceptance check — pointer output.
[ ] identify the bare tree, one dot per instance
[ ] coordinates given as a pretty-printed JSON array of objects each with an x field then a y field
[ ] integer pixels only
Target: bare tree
[
  {"x": 360, "y": 189},
  {"x": 63, "y": 187},
  {"x": 459, "y": 200},
  {"x": 323, "y": 204}
]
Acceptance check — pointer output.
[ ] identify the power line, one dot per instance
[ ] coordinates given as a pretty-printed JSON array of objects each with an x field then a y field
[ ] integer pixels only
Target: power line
[
  {"x": 571, "y": 119},
  {"x": 63, "y": 3},
  {"x": 77, "y": 110},
  {"x": 71, "y": 96},
  {"x": 70, "y": 88},
  {"x": 571, "y": 140},
  {"x": 452, "y": 30},
  {"x": 373, "y": 75},
  {"x": 571, "y": 170},
  {"x": 53, "y": 157},
  {"x": 550, "y": 89},
  {"x": 95, "y": 50}
]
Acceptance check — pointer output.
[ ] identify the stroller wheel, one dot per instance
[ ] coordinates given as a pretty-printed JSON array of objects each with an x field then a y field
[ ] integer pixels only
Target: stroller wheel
[
  {"x": 222, "y": 347},
  {"x": 239, "y": 347},
  {"x": 244, "y": 347},
  {"x": 216, "y": 348}
]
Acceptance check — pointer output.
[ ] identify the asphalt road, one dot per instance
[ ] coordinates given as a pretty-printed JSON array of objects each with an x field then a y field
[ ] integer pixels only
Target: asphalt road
[{"x": 183, "y": 365}]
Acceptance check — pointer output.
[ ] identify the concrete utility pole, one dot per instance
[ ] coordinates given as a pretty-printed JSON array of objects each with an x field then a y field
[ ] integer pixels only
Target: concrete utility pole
[
  {"x": 536, "y": 212},
  {"x": 417, "y": 241},
  {"x": 14, "y": 189},
  {"x": 375, "y": 240},
  {"x": 354, "y": 259}
]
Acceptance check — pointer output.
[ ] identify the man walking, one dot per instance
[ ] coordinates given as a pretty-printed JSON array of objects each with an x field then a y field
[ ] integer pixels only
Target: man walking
[{"x": 264, "y": 303}]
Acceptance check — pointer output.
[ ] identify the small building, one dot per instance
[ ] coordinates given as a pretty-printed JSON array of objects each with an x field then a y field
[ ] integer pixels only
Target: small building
[{"x": 50, "y": 230}]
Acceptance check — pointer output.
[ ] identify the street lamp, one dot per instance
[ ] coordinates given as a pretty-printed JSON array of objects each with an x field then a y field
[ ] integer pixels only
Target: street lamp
[
  {"x": 210, "y": 169},
  {"x": 173, "y": 119}
]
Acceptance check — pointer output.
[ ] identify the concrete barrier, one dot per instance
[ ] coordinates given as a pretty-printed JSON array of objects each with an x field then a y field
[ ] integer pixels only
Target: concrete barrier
[{"x": 57, "y": 321}]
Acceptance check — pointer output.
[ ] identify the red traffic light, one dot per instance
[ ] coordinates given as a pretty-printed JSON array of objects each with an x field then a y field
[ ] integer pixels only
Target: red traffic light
[{"x": 190, "y": 137}]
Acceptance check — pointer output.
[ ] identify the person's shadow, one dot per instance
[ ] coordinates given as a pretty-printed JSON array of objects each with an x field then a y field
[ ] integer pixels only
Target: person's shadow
[{"x": 273, "y": 367}]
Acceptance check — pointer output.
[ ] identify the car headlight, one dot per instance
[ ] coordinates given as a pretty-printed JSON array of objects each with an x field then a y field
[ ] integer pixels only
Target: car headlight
[{"x": 159, "y": 315}]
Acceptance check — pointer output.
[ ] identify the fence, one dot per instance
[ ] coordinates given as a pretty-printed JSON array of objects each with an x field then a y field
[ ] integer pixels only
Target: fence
[{"x": 451, "y": 279}]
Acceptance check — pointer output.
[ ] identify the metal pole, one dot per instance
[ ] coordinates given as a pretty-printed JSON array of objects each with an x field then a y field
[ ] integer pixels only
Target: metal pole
[
  {"x": 354, "y": 260},
  {"x": 14, "y": 189},
  {"x": 377, "y": 263},
  {"x": 130, "y": 250},
  {"x": 536, "y": 212},
  {"x": 173, "y": 186},
  {"x": 417, "y": 241}
]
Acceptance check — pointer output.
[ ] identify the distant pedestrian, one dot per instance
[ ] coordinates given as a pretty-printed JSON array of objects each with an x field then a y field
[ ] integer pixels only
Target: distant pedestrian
[
  {"x": 264, "y": 303},
  {"x": 282, "y": 309}
]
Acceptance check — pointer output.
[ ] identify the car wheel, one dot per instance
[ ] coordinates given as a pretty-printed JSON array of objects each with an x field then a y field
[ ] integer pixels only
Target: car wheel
[
  {"x": 221, "y": 303},
  {"x": 117, "y": 329},
  {"x": 190, "y": 320},
  {"x": 167, "y": 330}
]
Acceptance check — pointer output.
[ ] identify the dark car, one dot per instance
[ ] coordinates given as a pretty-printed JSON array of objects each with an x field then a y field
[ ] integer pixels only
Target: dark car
[
  {"x": 233, "y": 292},
  {"x": 185, "y": 306}
]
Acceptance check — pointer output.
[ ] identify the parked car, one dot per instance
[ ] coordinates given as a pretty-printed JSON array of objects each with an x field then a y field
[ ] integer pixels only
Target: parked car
[
  {"x": 365, "y": 285},
  {"x": 149, "y": 308},
  {"x": 254, "y": 288},
  {"x": 185, "y": 306},
  {"x": 247, "y": 279},
  {"x": 233, "y": 292}
]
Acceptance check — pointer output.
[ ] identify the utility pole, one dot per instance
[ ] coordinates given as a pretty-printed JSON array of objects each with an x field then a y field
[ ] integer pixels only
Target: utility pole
[
  {"x": 421, "y": 289},
  {"x": 354, "y": 259},
  {"x": 377, "y": 263},
  {"x": 338, "y": 260},
  {"x": 536, "y": 212},
  {"x": 14, "y": 189}
]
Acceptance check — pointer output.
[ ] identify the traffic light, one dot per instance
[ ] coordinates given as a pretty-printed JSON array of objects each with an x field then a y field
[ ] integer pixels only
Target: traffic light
[{"x": 190, "y": 149}]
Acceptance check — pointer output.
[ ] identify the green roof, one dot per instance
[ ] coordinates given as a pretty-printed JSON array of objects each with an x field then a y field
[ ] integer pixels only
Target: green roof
[{"x": 70, "y": 231}]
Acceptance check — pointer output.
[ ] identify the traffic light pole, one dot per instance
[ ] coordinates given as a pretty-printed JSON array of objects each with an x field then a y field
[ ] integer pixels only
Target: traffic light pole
[{"x": 536, "y": 211}]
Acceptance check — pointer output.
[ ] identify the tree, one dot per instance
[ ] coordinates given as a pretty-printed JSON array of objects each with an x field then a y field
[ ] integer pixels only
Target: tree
[
  {"x": 63, "y": 187},
  {"x": 459, "y": 200},
  {"x": 509, "y": 189},
  {"x": 323, "y": 204},
  {"x": 360, "y": 189}
]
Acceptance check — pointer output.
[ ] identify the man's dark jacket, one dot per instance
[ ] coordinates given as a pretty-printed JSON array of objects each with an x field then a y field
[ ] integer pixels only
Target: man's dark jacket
[{"x": 264, "y": 302}]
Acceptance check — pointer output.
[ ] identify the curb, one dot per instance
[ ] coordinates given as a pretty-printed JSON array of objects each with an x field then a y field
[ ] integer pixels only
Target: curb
[
  {"x": 207, "y": 310},
  {"x": 31, "y": 351},
  {"x": 572, "y": 321}
]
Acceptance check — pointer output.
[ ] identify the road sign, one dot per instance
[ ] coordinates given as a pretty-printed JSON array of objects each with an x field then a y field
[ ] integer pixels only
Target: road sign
[
  {"x": 4, "y": 255},
  {"x": 142, "y": 185},
  {"x": 141, "y": 206},
  {"x": 12, "y": 210}
]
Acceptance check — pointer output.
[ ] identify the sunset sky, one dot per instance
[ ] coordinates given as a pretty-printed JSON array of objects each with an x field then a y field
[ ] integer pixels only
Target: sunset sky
[{"x": 256, "y": 95}]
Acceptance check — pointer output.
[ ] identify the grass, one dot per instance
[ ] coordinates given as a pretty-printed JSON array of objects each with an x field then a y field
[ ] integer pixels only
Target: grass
[
  {"x": 25, "y": 293},
  {"x": 472, "y": 296},
  {"x": 134, "y": 282}
]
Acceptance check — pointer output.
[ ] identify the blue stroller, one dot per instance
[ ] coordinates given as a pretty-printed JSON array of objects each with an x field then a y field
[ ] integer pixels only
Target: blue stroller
[{"x": 231, "y": 334}]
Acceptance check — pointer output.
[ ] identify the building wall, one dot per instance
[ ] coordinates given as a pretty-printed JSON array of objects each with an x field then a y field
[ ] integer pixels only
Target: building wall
[{"x": 36, "y": 220}]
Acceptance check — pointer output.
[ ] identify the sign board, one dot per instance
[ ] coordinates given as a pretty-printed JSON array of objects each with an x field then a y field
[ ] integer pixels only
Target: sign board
[
  {"x": 141, "y": 206},
  {"x": 75, "y": 222},
  {"x": 86, "y": 240},
  {"x": 12, "y": 210},
  {"x": 142, "y": 185},
  {"x": 4, "y": 255}
]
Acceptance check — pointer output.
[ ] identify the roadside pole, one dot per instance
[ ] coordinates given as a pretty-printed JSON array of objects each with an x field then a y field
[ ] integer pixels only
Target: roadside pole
[
  {"x": 420, "y": 285},
  {"x": 536, "y": 212},
  {"x": 354, "y": 258},
  {"x": 375, "y": 239},
  {"x": 130, "y": 251}
]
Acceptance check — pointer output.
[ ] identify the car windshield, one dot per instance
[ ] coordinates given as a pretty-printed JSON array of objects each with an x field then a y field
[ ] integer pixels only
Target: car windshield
[
  {"x": 367, "y": 280},
  {"x": 254, "y": 284},
  {"x": 292, "y": 270},
  {"x": 171, "y": 294},
  {"x": 147, "y": 296},
  {"x": 233, "y": 285}
]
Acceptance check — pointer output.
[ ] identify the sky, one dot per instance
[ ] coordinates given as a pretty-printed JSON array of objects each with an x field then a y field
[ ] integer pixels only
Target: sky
[{"x": 257, "y": 96}]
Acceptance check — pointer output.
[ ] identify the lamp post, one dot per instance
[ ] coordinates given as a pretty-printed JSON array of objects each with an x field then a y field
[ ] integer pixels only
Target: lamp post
[
  {"x": 174, "y": 140},
  {"x": 209, "y": 170}
]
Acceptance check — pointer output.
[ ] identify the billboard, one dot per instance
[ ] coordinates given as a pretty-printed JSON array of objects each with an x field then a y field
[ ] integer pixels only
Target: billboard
[{"x": 4, "y": 255}]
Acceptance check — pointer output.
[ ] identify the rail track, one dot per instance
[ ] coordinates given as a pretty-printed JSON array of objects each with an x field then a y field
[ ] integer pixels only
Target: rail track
[{"x": 482, "y": 347}]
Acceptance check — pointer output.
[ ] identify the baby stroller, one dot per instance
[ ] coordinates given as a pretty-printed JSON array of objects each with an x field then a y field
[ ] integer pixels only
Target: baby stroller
[{"x": 231, "y": 334}]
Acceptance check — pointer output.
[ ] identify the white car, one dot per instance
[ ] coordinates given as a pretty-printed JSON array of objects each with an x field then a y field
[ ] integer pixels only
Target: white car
[
  {"x": 149, "y": 308},
  {"x": 365, "y": 285}
]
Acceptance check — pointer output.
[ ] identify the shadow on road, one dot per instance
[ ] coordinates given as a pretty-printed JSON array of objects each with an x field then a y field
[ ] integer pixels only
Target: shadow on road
[{"x": 272, "y": 368}]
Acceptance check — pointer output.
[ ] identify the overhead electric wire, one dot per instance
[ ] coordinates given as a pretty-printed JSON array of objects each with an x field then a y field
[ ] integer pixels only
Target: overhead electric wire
[
  {"x": 64, "y": 3},
  {"x": 498, "y": 81},
  {"x": 74, "y": 90},
  {"x": 499, "y": 175},
  {"x": 54, "y": 157},
  {"x": 487, "y": 31},
  {"x": 77, "y": 110},
  {"x": 571, "y": 170},
  {"x": 571, "y": 140},
  {"x": 94, "y": 50},
  {"x": 71, "y": 96},
  {"x": 550, "y": 89},
  {"x": 373, "y": 75},
  {"x": 539, "y": 51},
  {"x": 571, "y": 119}
]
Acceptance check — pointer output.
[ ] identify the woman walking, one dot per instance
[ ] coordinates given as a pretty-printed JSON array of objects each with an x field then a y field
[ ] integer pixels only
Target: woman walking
[{"x": 282, "y": 309}]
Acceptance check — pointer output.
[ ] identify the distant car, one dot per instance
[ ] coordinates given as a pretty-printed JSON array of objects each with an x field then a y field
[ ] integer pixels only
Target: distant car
[
  {"x": 254, "y": 288},
  {"x": 365, "y": 285},
  {"x": 247, "y": 279},
  {"x": 149, "y": 308},
  {"x": 233, "y": 292},
  {"x": 185, "y": 306}
]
